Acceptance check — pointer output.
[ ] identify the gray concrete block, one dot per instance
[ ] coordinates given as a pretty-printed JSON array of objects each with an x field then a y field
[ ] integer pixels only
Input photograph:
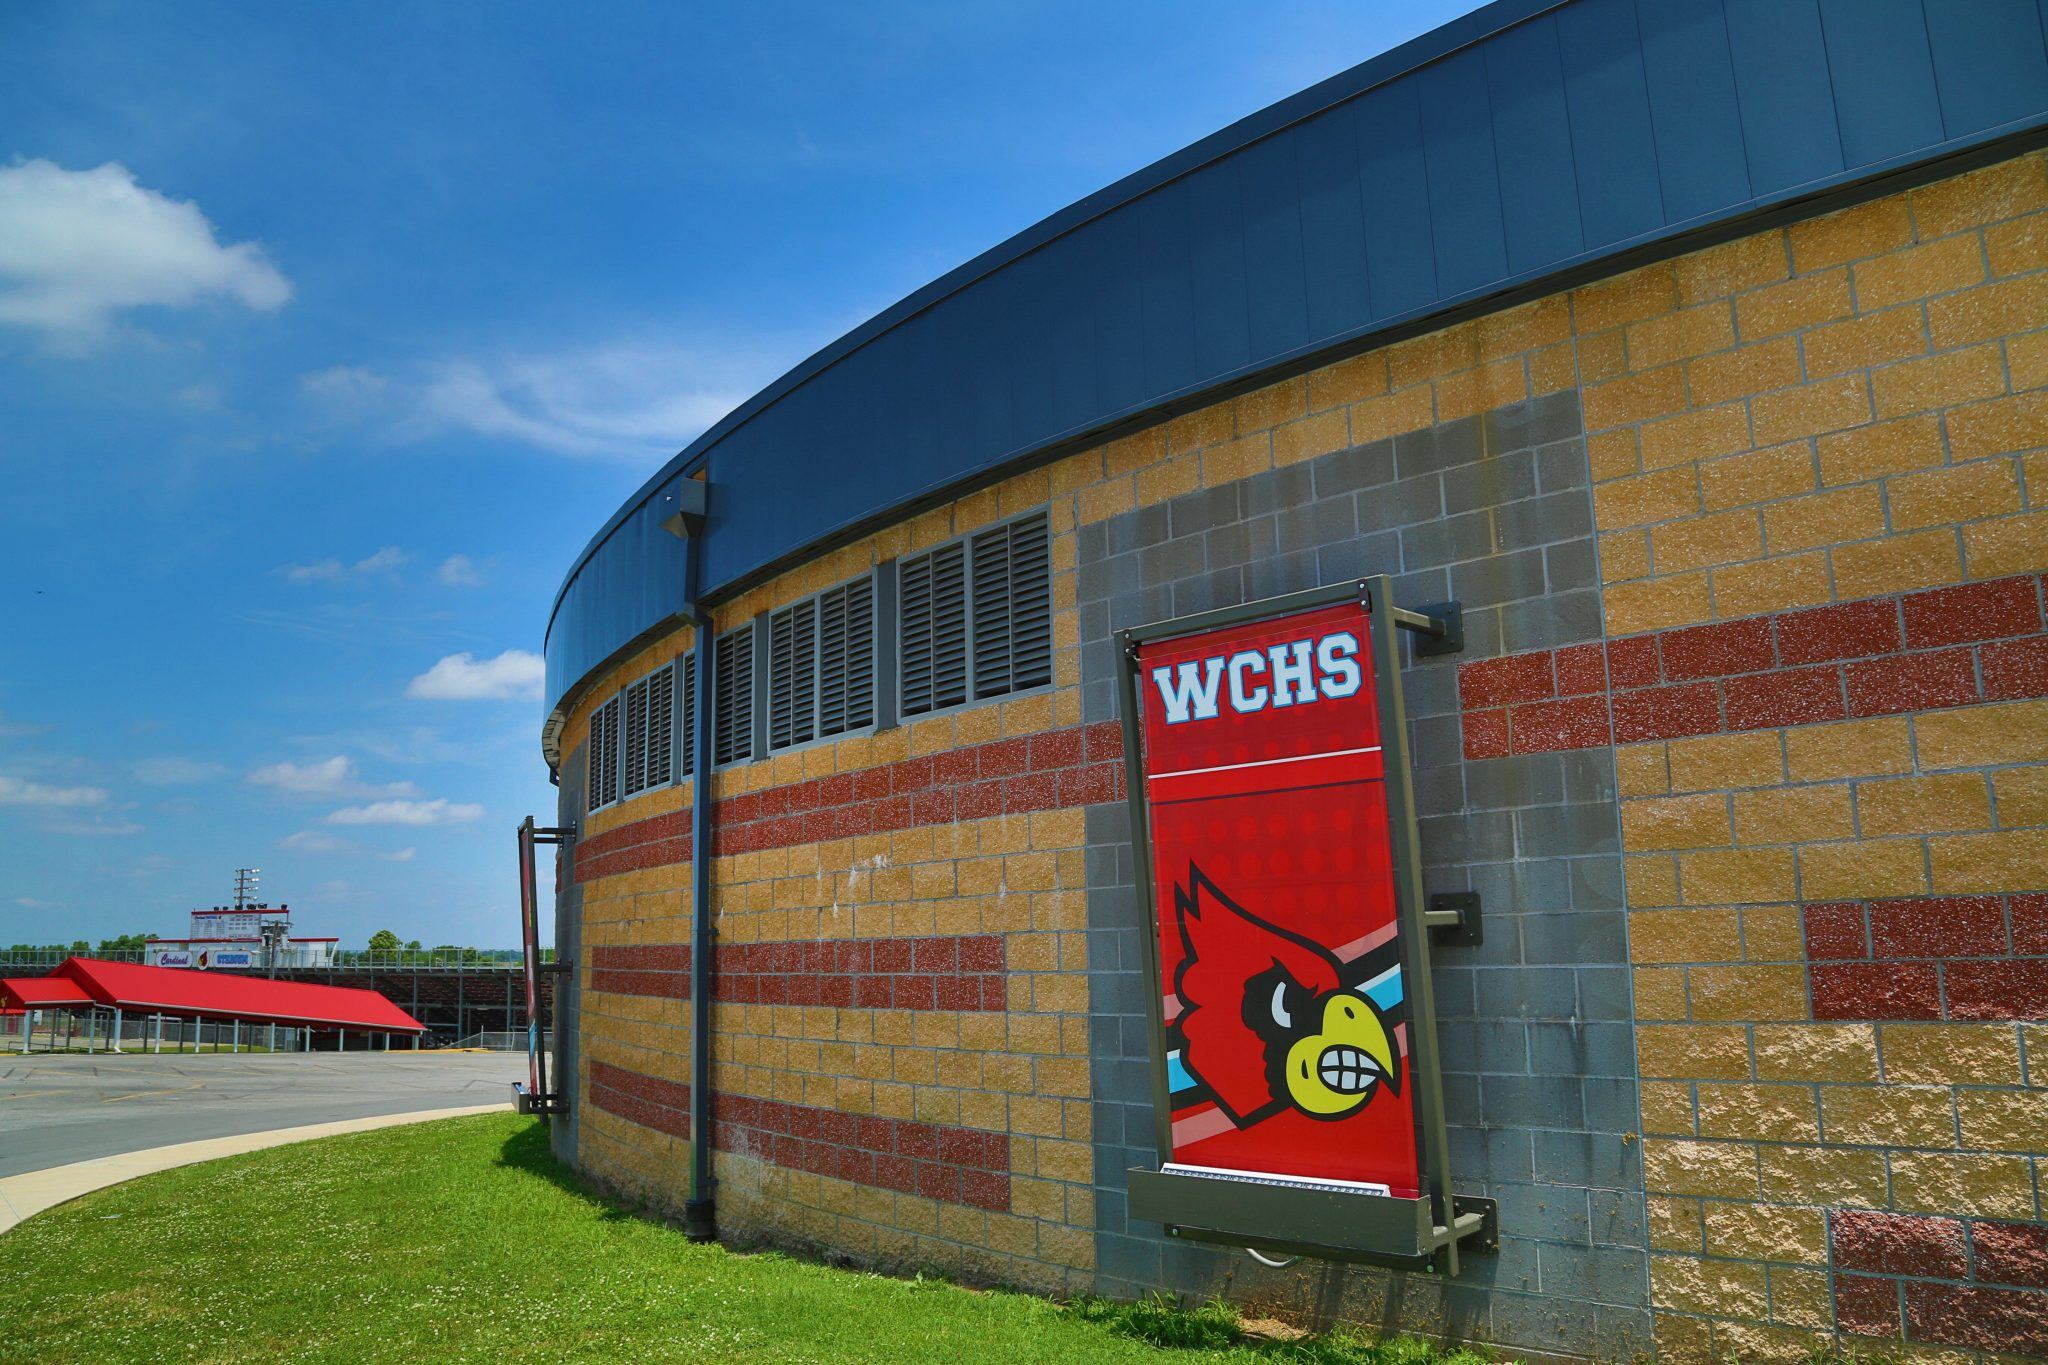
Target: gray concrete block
[
  {"x": 1276, "y": 491},
  {"x": 1446, "y": 540},
  {"x": 1192, "y": 514},
  {"x": 1544, "y": 520},
  {"x": 1403, "y": 503},
  {"x": 1562, "y": 465},
  {"x": 1582, "y": 1158},
  {"x": 1491, "y": 482},
  {"x": 1435, "y": 449},
  {"x": 1548, "y": 622},
  {"x": 1505, "y": 577},
  {"x": 1347, "y": 471},
  {"x": 1536, "y": 422}
]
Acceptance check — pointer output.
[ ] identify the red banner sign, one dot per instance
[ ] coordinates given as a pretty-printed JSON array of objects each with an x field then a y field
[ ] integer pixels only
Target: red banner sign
[{"x": 1287, "y": 1046}]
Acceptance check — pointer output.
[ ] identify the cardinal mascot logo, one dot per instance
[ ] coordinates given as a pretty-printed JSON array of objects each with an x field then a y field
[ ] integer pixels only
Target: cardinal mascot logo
[{"x": 1270, "y": 1020}]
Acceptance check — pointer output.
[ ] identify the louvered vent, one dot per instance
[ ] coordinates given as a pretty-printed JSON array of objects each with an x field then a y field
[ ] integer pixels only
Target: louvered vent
[
  {"x": 686, "y": 763},
  {"x": 1012, "y": 608},
  {"x": 733, "y": 707},
  {"x": 933, "y": 596},
  {"x": 634, "y": 771},
  {"x": 793, "y": 675},
  {"x": 602, "y": 779},
  {"x": 661, "y": 715},
  {"x": 846, "y": 657}
]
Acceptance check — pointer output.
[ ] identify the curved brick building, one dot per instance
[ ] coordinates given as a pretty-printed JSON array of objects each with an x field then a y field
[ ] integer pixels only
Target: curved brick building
[{"x": 1696, "y": 348}]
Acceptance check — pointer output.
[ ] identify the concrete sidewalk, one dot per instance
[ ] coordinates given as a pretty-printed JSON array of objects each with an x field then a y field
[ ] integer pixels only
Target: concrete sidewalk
[{"x": 22, "y": 1196}]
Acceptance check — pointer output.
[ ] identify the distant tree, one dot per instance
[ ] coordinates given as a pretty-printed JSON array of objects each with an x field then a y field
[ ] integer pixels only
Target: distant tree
[
  {"x": 384, "y": 941},
  {"x": 412, "y": 945},
  {"x": 124, "y": 943},
  {"x": 80, "y": 946}
]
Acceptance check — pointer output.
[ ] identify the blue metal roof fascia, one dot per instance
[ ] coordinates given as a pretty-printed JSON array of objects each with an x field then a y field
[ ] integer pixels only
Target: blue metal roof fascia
[{"x": 1390, "y": 65}]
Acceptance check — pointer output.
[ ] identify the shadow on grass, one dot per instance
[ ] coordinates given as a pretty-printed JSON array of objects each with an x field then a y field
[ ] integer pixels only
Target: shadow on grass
[{"x": 529, "y": 1152}]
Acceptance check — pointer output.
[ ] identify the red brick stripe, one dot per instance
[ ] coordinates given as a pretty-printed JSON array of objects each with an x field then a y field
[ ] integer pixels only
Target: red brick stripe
[
  {"x": 956, "y": 1165},
  {"x": 940, "y": 972},
  {"x": 1929, "y": 957},
  {"x": 1950, "y": 1275},
  {"x": 1078, "y": 766},
  {"x": 1979, "y": 642}
]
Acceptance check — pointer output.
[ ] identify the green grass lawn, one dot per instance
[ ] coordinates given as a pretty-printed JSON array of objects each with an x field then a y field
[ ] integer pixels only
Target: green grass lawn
[{"x": 464, "y": 1240}]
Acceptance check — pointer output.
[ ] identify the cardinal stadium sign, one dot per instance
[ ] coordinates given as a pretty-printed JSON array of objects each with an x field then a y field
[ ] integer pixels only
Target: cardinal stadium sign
[{"x": 1298, "y": 1107}]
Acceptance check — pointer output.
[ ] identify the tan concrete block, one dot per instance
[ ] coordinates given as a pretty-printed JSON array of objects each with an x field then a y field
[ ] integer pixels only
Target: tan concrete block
[
  {"x": 1408, "y": 409},
  {"x": 1169, "y": 479},
  {"x": 1655, "y": 604},
  {"x": 1431, "y": 356},
  {"x": 1624, "y": 555},
  {"x": 1860, "y": 342},
  {"x": 1752, "y": 990},
  {"x": 1971, "y": 864},
  {"x": 1773, "y": 933},
  {"x": 1801, "y": 302},
  {"x": 1310, "y": 437},
  {"x": 1868, "y": 868},
  {"x": 1999, "y": 427},
  {"x": 1816, "y": 1052},
  {"x": 1951, "y": 1054},
  {"x": 1238, "y": 459},
  {"x": 1924, "y": 805},
  {"x": 1701, "y": 434},
  {"x": 1773, "y": 1232},
  {"x": 1640, "y": 397},
  {"x": 1852, "y": 748},
  {"x": 1917, "y": 272},
  {"x": 2010, "y": 732},
  {"x": 1641, "y": 770},
  {"x": 1791, "y": 815},
  {"x": 1736, "y": 876},
  {"x": 2022, "y": 796},
  {"x": 2008, "y": 545},
  {"x": 1270, "y": 406},
  {"x": 1676, "y": 822},
  {"x": 1753, "y": 759},
  {"x": 1989, "y": 312},
  {"x": 1889, "y": 1116},
  {"x": 1601, "y": 355},
  {"x": 1612, "y": 454},
  {"x": 1872, "y": 229},
  {"x": 2026, "y": 357},
  {"x": 1804, "y": 1298},
  {"x": 1650, "y": 880},
  {"x": 1952, "y": 1183},
  {"x": 1203, "y": 428},
  {"x": 1553, "y": 369},
  {"x": 1681, "y": 335},
  {"x": 1719, "y": 1170},
  {"x": 1674, "y": 1223},
  {"x": 1887, "y": 448},
  {"x": 1625, "y": 298},
  {"x": 1760, "y": 476},
  {"x": 1810, "y": 410},
  {"x": 1348, "y": 381},
  {"x": 1767, "y": 585},
  {"x": 1667, "y": 1108},
  {"x": 2005, "y": 190},
  {"x": 1900, "y": 563},
  {"x": 1723, "y": 1288},
  {"x": 1481, "y": 389},
  {"x": 1101, "y": 501},
  {"x": 1660, "y": 994},
  {"x": 1823, "y": 1175},
  {"x": 1965, "y": 492},
  {"x": 1693, "y": 1051},
  {"x": 1939, "y": 381},
  {"x": 1746, "y": 370},
  {"x": 1731, "y": 267},
  {"x": 1718, "y": 538},
  {"x": 1541, "y": 323},
  {"x": 1699, "y": 935},
  {"x": 1828, "y": 518}
]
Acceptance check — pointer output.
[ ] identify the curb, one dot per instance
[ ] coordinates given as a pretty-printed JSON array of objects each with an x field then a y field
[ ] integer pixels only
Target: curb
[{"x": 25, "y": 1195}]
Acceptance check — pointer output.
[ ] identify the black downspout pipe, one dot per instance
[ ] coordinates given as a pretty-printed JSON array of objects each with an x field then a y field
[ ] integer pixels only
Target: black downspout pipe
[{"x": 700, "y": 1213}]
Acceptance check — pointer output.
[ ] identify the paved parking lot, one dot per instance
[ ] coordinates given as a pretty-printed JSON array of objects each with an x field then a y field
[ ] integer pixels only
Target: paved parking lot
[{"x": 56, "y": 1110}]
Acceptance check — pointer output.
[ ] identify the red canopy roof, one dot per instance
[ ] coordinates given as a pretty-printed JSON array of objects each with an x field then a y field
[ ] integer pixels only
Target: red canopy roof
[
  {"x": 19, "y": 993},
  {"x": 208, "y": 995}
]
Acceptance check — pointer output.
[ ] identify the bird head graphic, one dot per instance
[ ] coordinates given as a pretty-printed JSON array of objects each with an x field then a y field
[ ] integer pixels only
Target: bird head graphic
[{"x": 1267, "y": 1019}]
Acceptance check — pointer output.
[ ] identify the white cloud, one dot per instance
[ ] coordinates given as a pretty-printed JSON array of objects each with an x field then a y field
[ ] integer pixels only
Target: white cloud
[
  {"x": 400, "y": 855},
  {"x": 461, "y": 677},
  {"x": 439, "y": 811},
  {"x": 78, "y": 247},
  {"x": 329, "y": 777},
  {"x": 15, "y": 791},
  {"x": 16, "y": 729},
  {"x": 91, "y": 824},
  {"x": 348, "y": 387},
  {"x": 383, "y": 563},
  {"x": 174, "y": 771},
  {"x": 617, "y": 401},
  {"x": 459, "y": 571}
]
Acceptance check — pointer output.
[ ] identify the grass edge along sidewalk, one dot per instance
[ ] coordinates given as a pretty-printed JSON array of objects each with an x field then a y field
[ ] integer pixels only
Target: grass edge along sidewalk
[{"x": 464, "y": 1239}]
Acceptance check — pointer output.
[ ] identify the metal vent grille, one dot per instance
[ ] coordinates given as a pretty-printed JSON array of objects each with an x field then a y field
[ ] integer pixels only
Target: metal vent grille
[
  {"x": 846, "y": 657},
  {"x": 634, "y": 771},
  {"x": 733, "y": 703},
  {"x": 1012, "y": 608},
  {"x": 661, "y": 715},
  {"x": 933, "y": 595},
  {"x": 686, "y": 722},
  {"x": 602, "y": 784},
  {"x": 793, "y": 675}
]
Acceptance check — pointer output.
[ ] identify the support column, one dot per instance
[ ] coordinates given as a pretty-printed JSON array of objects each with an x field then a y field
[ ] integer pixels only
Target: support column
[
  {"x": 156, "y": 1036},
  {"x": 114, "y": 1044}
]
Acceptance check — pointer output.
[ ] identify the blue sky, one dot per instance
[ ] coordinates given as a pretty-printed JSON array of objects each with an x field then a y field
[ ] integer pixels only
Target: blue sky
[{"x": 328, "y": 335}]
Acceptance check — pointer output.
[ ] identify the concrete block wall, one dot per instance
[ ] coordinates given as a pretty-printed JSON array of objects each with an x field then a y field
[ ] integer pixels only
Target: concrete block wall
[{"x": 1750, "y": 1055}]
